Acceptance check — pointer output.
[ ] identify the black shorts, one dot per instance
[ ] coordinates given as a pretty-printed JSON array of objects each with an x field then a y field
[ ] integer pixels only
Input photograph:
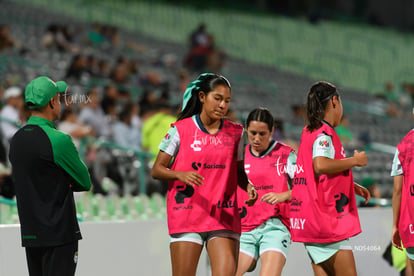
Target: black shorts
[{"x": 55, "y": 260}]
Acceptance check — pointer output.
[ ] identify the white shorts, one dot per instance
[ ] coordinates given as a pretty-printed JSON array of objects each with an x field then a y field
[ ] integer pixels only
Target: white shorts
[{"x": 202, "y": 237}]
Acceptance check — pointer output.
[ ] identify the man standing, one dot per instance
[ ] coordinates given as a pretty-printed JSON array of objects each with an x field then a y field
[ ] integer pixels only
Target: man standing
[{"x": 46, "y": 169}]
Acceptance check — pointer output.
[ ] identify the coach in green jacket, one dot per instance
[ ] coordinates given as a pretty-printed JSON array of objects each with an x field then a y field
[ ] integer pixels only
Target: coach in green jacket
[{"x": 46, "y": 169}]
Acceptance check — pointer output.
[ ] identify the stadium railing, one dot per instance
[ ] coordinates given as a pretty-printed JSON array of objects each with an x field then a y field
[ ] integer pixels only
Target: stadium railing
[
  {"x": 141, "y": 156},
  {"x": 115, "y": 208},
  {"x": 92, "y": 207}
]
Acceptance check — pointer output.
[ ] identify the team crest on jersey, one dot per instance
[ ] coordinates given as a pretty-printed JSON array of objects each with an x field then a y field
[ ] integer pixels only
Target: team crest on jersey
[
  {"x": 196, "y": 145},
  {"x": 167, "y": 137},
  {"x": 324, "y": 143}
]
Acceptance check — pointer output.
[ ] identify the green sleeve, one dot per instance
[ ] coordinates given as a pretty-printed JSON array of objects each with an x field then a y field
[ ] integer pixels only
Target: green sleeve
[{"x": 67, "y": 157}]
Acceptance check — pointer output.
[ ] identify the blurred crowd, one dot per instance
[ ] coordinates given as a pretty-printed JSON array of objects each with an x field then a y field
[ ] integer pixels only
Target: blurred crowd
[
  {"x": 123, "y": 94},
  {"x": 110, "y": 99}
]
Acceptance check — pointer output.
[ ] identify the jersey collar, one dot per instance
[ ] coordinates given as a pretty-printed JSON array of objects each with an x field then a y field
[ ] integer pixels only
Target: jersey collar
[
  {"x": 34, "y": 120},
  {"x": 325, "y": 122},
  {"x": 265, "y": 152},
  {"x": 201, "y": 126}
]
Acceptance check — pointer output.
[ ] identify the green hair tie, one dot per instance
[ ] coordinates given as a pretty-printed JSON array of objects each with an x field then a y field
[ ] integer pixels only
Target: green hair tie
[
  {"x": 205, "y": 74},
  {"x": 193, "y": 86}
]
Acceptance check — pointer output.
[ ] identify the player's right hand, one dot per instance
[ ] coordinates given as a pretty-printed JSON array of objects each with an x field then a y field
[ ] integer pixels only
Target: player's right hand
[
  {"x": 190, "y": 178},
  {"x": 361, "y": 158}
]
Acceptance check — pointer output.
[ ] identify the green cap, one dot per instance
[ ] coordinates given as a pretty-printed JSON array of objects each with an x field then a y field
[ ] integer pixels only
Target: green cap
[{"x": 40, "y": 90}]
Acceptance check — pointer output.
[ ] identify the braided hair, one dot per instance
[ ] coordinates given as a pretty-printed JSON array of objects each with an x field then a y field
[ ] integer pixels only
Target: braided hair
[{"x": 261, "y": 114}]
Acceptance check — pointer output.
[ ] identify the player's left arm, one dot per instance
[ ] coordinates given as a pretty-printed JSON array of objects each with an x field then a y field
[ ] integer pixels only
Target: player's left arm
[
  {"x": 242, "y": 179},
  {"x": 396, "y": 207},
  {"x": 362, "y": 191}
]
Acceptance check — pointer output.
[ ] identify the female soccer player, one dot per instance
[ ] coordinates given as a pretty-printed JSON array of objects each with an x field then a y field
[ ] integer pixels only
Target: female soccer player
[
  {"x": 269, "y": 165},
  {"x": 402, "y": 199},
  {"x": 202, "y": 158},
  {"x": 323, "y": 211}
]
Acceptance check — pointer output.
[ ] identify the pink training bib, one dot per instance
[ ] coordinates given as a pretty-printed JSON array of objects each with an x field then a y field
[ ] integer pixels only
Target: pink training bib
[
  {"x": 267, "y": 173},
  {"x": 212, "y": 206},
  {"x": 406, "y": 156},
  {"x": 323, "y": 207}
]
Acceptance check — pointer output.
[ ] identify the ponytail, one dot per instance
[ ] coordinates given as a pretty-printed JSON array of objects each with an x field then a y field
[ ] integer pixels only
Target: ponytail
[{"x": 316, "y": 103}]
